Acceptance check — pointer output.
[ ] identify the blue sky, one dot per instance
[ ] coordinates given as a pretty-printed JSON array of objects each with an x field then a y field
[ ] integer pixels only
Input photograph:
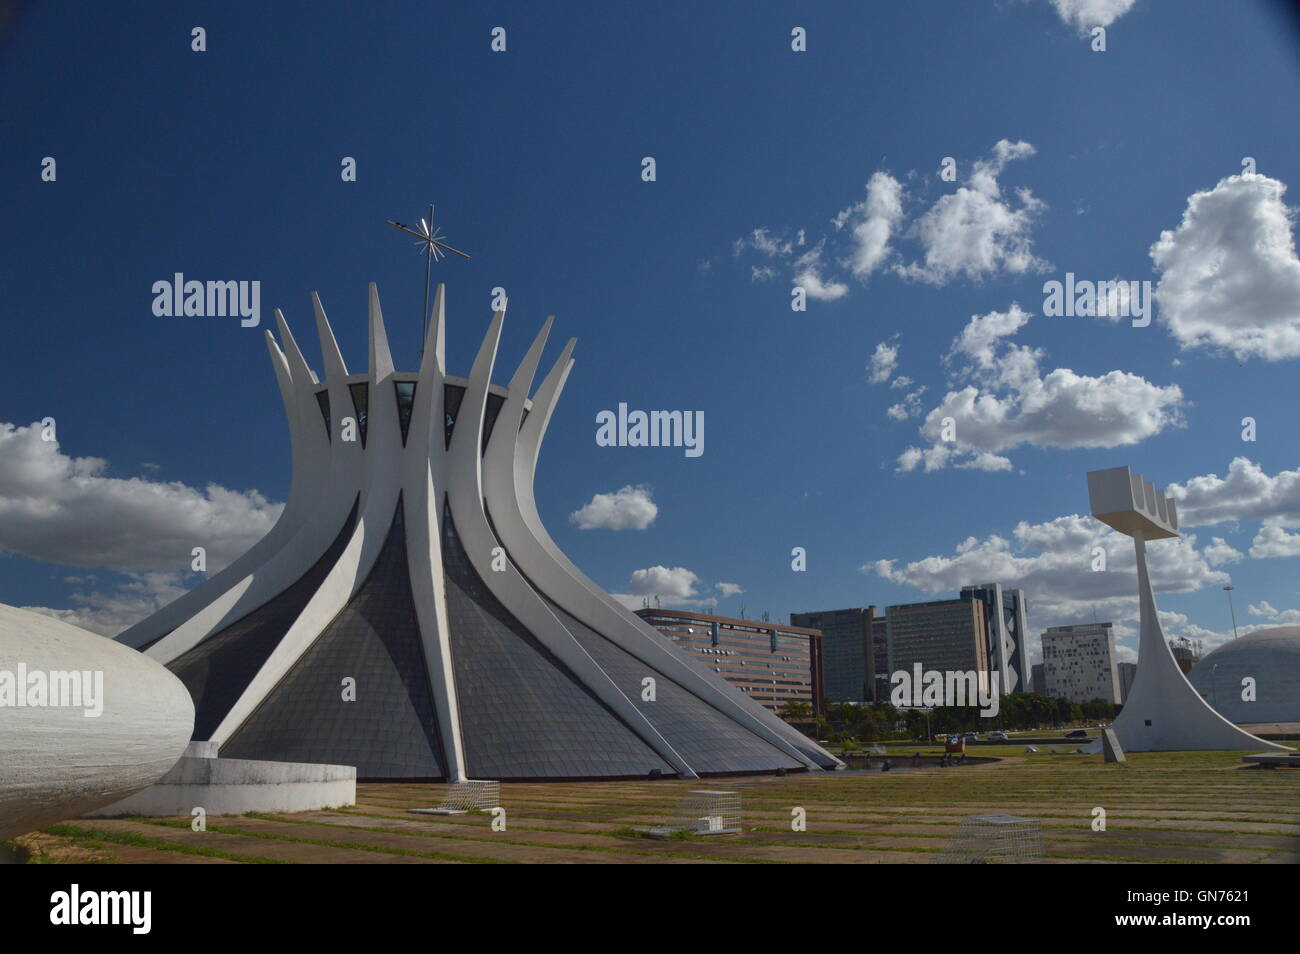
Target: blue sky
[{"x": 225, "y": 164}]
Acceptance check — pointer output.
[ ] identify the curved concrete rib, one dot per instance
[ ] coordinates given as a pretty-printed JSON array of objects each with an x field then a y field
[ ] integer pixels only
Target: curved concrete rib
[
  {"x": 514, "y": 511},
  {"x": 380, "y": 487},
  {"x": 338, "y": 464},
  {"x": 383, "y": 445},
  {"x": 295, "y": 380},
  {"x": 465, "y": 491},
  {"x": 423, "y": 465}
]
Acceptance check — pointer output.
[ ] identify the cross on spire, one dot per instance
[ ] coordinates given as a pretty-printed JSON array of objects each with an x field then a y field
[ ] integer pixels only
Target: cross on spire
[{"x": 429, "y": 240}]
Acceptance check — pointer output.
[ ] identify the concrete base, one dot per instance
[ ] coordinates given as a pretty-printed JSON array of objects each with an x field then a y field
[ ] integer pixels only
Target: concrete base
[
  {"x": 1273, "y": 760},
  {"x": 234, "y": 786},
  {"x": 1110, "y": 745}
]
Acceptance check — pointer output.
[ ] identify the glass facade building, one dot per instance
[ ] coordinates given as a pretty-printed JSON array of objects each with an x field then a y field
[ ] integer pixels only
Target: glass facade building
[
  {"x": 855, "y": 656},
  {"x": 944, "y": 636}
]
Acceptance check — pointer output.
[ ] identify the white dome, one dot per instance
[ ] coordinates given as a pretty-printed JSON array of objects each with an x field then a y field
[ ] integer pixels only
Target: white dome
[
  {"x": 61, "y": 761},
  {"x": 1269, "y": 656}
]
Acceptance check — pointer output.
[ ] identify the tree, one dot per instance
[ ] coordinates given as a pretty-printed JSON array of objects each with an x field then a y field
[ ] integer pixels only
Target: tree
[{"x": 796, "y": 710}]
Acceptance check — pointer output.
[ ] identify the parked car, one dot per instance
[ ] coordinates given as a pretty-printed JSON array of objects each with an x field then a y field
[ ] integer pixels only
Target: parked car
[
  {"x": 1077, "y": 734},
  {"x": 999, "y": 737},
  {"x": 971, "y": 737}
]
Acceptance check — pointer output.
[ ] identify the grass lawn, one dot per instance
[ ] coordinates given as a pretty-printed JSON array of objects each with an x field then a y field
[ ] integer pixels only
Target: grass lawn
[{"x": 1188, "y": 807}]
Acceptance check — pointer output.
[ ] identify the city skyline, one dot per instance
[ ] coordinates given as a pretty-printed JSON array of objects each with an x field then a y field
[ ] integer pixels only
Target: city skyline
[{"x": 823, "y": 426}]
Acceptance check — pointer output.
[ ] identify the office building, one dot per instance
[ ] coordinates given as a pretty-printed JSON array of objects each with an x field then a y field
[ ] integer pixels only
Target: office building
[
  {"x": 771, "y": 663},
  {"x": 853, "y": 651},
  {"x": 945, "y": 636},
  {"x": 1079, "y": 663},
  {"x": 1008, "y": 643}
]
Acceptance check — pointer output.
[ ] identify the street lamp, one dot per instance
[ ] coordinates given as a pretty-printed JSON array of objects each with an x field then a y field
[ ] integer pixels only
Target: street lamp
[{"x": 1228, "y": 589}]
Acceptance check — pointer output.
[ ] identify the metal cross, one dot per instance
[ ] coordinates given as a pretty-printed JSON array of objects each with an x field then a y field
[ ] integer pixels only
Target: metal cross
[{"x": 429, "y": 239}]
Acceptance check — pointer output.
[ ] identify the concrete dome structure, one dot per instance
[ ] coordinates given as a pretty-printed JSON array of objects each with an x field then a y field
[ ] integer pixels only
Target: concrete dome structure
[
  {"x": 1269, "y": 656},
  {"x": 84, "y": 721},
  {"x": 409, "y": 614}
]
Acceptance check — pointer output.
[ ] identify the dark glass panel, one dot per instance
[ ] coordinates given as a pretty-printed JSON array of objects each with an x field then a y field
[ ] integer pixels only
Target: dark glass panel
[
  {"x": 361, "y": 401},
  {"x": 323, "y": 399},
  {"x": 522, "y": 713},
  {"x": 710, "y": 742},
  {"x": 405, "y": 405},
  {"x": 453, "y": 394},
  {"x": 494, "y": 402},
  {"x": 390, "y": 729},
  {"x": 219, "y": 669}
]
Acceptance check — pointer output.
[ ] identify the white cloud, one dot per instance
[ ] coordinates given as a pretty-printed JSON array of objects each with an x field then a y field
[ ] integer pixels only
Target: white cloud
[
  {"x": 673, "y": 587},
  {"x": 975, "y": 231},
  {"x": 109, "y": 612},
  {"x": 664, "y": 586},
  {"x": 1010, "y": 402},
  {"x": 1229, "y": 275},
  {"x": 872, "y": 223},
  {"x": 1212, "y": 639},
  {"x": 64, "y": 510},
  {"x": 1052, "y": 563},
  {"x": 1272, "y": 541},
  {"x": 627, "y": 509},
  {"x": 766, "y": 243},
  {"x": 1220, "y": 552},
  {"x": 883, "y": 361},
  {"x": 1278, "y": 618},
  {"x": 1246, "y": 493},
  {"x": 1262, "y": 608},
  {"x": 675, "y": 583},
  {"x": 1083, "y": 15},
  {"x": 808, "y": 275},
  {"x": 910, "y": 406}
]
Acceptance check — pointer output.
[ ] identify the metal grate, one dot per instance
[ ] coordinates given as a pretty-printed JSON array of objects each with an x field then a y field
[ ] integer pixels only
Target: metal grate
[
  {"x": 470, "y": 795},
  {"x": 701, "y": 812},
  {"x": 994, "y": 839}
]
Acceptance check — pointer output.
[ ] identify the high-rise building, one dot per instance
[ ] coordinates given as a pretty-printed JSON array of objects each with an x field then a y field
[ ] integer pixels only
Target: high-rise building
[
  {"x": 1079, "y": 663},
  {"x": 771, "y": 663},
  {"x": 1040, "y": 683},
  {"x": 1008, "y": 644},
  {"x": 945, "y": 635},
  {"x": 852, "y": 659},
  {"x": 879, "y": 659}
]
